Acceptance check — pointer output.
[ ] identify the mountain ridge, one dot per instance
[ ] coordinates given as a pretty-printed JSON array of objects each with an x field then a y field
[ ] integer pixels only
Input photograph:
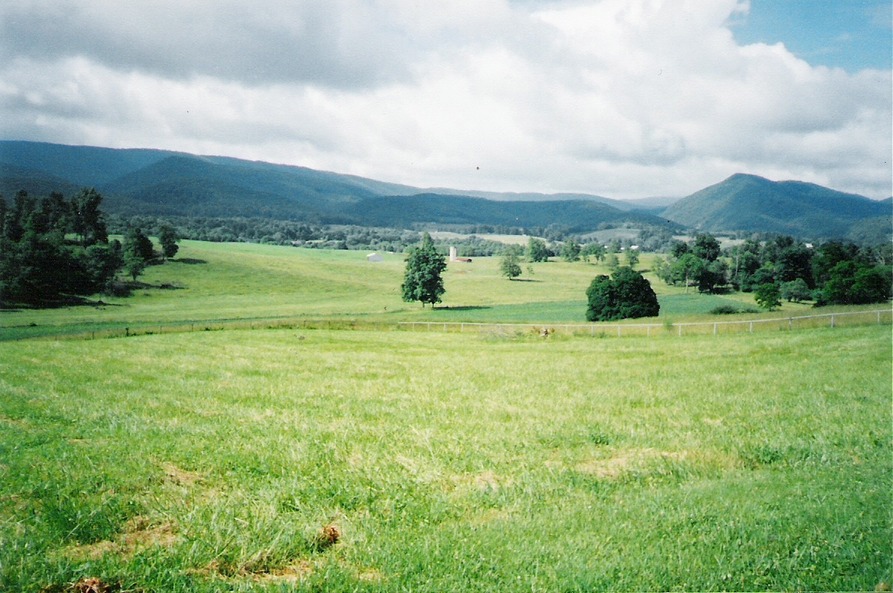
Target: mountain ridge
[
  {"x": 750, "y": 203},
  {"x": 170, "y": 183}
]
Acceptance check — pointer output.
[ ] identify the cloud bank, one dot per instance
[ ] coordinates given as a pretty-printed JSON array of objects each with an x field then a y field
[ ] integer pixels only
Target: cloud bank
[{"x": 623, "y": 98}]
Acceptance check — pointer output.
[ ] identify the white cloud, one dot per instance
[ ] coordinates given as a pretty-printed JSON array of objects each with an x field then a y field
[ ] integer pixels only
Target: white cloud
[{"x": 624, "y": 98}]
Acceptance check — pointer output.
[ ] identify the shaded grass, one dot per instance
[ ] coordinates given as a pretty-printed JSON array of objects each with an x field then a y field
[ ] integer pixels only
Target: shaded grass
[{"x": 448, "y": 462}]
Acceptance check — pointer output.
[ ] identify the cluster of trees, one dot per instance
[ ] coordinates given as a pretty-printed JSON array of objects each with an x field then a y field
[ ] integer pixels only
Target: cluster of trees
[
  {"x": 53, "y": 249},
  {"x": 697, "y": 264},
  {"x": 299, "y": 234},
  {"x": 783, "y": 268}
]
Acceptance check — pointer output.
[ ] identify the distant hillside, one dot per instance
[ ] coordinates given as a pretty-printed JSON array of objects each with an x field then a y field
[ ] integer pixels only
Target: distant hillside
[
  {"x": 754, "y": 204},
  {"x": 158, "y": 182},
  {"x": 167, "y": 183}
]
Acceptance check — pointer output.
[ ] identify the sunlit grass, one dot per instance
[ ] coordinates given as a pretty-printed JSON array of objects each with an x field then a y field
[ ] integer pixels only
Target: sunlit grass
[
  {"x": 244, "y": 282},
  {"x": 494, "y": 462}
]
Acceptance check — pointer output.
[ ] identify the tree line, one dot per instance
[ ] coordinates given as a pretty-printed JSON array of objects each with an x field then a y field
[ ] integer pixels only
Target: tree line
[
  {"x": 779, "y": 268},
  {"x": 53, "y": 249}
]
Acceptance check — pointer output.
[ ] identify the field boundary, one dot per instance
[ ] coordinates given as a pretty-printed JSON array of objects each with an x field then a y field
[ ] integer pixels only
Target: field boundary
[
  {"x": 601, "y": 330},
  {"x": 790, "y": 323}
]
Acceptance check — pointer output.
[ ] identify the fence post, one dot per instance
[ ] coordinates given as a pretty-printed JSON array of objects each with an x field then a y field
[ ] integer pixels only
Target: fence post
[
  {"x": 751, "y": 327},
  {"x": 832, "y": 320},
  {"x": 714, "y": 329}
]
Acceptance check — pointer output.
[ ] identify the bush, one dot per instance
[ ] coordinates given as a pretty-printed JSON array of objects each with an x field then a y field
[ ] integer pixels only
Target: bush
[{"x": 625, "y": 295}]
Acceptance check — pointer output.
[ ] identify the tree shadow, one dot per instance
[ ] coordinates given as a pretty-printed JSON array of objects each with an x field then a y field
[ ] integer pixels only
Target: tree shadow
[
  {"x": 189, "y": 261},
  {"x": 461, "y": 308},
  {"x": 525, "y": 280}
]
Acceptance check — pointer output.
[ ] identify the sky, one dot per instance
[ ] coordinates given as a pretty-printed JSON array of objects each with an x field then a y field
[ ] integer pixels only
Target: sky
[{"x": 620, "y": 98}]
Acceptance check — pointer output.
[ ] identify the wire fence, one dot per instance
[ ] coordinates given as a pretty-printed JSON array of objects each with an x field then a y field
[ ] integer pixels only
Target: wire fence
[{"x": 620, "y": 330}]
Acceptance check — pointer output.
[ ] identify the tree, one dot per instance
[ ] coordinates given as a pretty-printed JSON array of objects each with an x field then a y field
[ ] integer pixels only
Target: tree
[
  {"x": 138, "y": 252},
  {"x": 768, "y": 296},
  {"x": 537, "y": 250},
  {"x": 570, "y": 251},
  {"x": 87, "y": 220},
  {"x": 706, "y": 247},
  {"x": 422, "y": 280},
  {"x": 167, "y": 236},
  {"x": 632, "y": 257},
  {"x": 796, "y": 291},
  {"x": 510, "y": 265},
  {"x": 625, "y": 295},
  {"x": 596, "y": 250}
]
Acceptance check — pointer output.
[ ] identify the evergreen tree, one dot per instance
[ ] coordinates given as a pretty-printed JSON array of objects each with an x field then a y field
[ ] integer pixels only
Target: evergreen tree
[{"x": 423, "y": 281}]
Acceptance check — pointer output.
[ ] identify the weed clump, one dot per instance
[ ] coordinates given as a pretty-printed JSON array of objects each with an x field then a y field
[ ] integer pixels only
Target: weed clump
[{"x": 327, "y": 537}]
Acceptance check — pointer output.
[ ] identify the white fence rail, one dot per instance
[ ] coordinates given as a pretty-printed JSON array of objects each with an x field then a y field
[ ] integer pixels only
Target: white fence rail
[{"x": 875, "y": 317}]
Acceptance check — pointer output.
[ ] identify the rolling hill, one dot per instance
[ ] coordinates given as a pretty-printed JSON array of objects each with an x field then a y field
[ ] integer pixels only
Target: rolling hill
[
  {"x": 158, "y": 182},
  {"x": 167, "y": 183},
  {"x": 754, "y": 204}
]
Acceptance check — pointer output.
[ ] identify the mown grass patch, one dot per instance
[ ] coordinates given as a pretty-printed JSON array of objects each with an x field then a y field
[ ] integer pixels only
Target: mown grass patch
[{"x": 219, "y": 460}]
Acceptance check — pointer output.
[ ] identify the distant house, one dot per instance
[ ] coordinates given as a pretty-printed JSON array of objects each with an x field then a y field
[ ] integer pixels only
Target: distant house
[{"x": 374, "y": 257}]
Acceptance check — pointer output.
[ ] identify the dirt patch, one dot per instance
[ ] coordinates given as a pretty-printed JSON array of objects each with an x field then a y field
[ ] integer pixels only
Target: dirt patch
[
  {"x": 138, "y": 535},
  {"x": 85, "y": 585},
  {"x": 180, "y": 476},
  {"x": 289, "y": 574},
  {"x": 626, "y": 461}
]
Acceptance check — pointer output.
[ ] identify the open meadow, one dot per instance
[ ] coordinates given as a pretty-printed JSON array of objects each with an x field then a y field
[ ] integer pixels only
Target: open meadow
[
  {"x": 377, "y": 459},
  {"x": 233, "y": 282}
]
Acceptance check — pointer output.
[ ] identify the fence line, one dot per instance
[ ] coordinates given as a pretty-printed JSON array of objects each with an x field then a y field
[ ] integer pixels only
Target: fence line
[
  {"x": 790, "y": 323},
  {"x": 853, "y": 318}
]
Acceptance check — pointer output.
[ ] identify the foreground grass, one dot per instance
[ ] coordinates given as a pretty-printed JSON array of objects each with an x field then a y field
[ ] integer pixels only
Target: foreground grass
[{"x": 212, "y": 461}]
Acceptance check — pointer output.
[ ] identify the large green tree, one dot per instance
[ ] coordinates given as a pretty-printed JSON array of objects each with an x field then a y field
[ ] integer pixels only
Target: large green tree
[
  {"x": 423, "y": 279},
  {"x": 624, "y": 295}
]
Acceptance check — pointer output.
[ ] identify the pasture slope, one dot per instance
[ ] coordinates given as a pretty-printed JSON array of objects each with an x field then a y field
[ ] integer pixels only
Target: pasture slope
[
  {"x": 383, "y": 460},
  {"x": 239, "y": 282}
]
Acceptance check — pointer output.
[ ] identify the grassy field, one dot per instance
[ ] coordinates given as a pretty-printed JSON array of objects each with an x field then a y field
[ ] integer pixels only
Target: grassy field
[
  {"x": 213, "y": 461},
  {"x": 388, "y": 460},
  {"x": 239, "y": 281}
]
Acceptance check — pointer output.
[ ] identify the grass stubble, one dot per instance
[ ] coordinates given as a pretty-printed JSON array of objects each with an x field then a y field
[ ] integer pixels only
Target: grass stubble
[{"x": 393, "y": 461}]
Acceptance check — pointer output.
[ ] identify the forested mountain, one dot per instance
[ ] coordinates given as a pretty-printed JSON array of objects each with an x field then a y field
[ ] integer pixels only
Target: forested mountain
[
  {"x": 751, "y": 203},
  {"x": 167, "y": 183}
]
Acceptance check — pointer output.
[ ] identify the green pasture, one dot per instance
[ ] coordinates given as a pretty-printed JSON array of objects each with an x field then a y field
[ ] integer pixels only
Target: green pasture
[
  {"x": 213, "y": 461},
  {"x": 250, "y": 282}
]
